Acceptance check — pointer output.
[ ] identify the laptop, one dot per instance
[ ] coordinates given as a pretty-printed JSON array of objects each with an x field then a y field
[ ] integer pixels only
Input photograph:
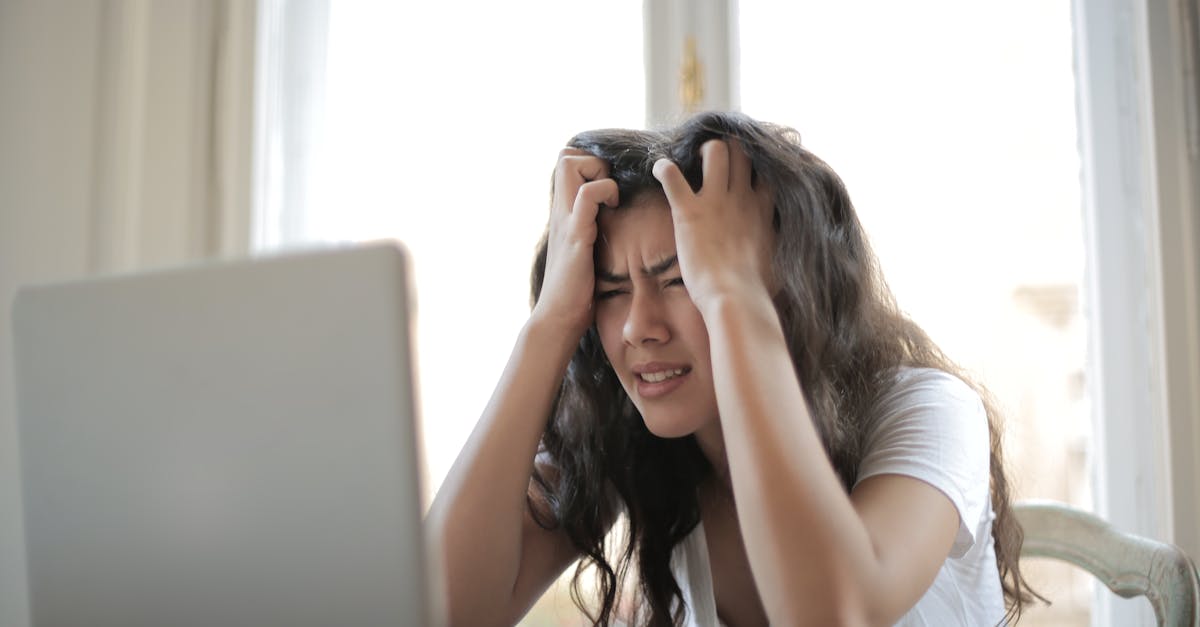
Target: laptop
[{"x": 230, "y": 444}]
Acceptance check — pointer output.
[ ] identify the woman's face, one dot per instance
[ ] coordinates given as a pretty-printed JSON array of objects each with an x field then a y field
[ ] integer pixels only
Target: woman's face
[{"x": 652, "y": 334}]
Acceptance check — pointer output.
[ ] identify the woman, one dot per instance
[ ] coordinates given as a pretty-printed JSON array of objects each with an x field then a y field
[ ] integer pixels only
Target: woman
[{"x": 713, "y": 355}]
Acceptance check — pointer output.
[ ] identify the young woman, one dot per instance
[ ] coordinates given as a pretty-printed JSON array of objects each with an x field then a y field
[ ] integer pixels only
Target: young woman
[{"x": 713, "y": 355}]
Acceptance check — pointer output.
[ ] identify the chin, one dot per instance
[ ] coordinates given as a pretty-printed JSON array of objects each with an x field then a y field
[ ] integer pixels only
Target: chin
[{"x": 669, "y": 427}]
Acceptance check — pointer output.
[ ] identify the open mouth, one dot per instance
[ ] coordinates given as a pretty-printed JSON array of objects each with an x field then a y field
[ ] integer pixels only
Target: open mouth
[
  {"x": 662, "y": 375},
  {"x": 659, "y": 381}
]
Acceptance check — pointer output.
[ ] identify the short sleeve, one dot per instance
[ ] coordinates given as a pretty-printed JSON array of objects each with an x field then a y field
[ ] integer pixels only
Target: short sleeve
[{"x": 933, "y": 427}]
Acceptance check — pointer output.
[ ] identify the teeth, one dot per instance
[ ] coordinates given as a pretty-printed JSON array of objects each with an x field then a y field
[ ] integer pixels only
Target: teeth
[{"x": 655, "y": 377}]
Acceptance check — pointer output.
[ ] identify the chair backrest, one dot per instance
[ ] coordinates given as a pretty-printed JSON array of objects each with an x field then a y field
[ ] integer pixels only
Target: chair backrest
[{"x": 1129, "y": 565}]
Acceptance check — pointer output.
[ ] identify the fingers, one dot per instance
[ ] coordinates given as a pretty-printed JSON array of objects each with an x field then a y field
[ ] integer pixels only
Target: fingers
[
  {"x": 723, "y": 166},
  {"x": 575, "y": 167},
  {"x": 674, "y": 185},
  {"x": 581, "y": 226},
  {"x": 741, "y": 180},
  {"x": 557, "y": 182},
  {"x": 715, "y": 168},
  {"x": 575, "y": 170},
  {"x": 591, "y": 195},
  {"x": 714, "y": 163},
  {"x": 739, "y": 166}
]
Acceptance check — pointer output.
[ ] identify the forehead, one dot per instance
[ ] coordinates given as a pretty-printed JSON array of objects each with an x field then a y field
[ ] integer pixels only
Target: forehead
[{"x": 640, "y": 233}]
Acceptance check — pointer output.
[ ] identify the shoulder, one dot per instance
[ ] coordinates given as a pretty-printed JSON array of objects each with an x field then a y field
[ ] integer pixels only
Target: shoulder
[
  {"x": 928, "y": 384},
  {"x": 933, "y": 426},
  {"x": 927, "y": 398}
]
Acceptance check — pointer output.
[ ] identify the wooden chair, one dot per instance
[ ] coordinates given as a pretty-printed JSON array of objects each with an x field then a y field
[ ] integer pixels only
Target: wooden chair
[{"x": 1129, "y": 565}]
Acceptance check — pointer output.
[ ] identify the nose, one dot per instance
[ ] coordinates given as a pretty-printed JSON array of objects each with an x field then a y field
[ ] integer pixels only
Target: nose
[{"x": 645, "y": 321}]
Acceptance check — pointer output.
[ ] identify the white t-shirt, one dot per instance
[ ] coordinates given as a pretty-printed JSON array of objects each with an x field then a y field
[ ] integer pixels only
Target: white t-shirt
[{"x": 933, "y": 427}]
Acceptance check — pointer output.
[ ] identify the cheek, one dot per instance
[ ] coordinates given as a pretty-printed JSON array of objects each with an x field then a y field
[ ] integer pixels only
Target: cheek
[
  {"x": 609, "y": 321},
  {"x": 689, "y": 325}
]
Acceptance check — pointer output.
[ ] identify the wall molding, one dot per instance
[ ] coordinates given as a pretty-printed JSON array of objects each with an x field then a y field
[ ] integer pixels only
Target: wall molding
[{"x": 673, "y": 30}]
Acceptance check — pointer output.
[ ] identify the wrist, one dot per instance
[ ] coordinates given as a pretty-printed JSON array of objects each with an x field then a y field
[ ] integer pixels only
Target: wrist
[
  {"x": 742, "y": 301},
  {"x": 549, "y": 333}
]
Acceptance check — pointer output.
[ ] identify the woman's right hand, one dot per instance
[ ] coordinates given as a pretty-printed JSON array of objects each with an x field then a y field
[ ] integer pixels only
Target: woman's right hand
[{"x": 581, "y": 185}]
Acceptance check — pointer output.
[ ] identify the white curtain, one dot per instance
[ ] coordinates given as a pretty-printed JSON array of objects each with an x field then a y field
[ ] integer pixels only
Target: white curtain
[
  {"x": 124, "y": 144},
  {"x": 289, "y": 117}
]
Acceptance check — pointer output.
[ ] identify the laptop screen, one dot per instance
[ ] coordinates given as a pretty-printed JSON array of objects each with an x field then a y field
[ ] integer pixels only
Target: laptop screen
[{"x": 226, "y": 444}]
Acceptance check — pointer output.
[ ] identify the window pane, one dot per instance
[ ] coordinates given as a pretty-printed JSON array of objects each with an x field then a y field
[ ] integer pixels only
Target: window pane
[
  {"x": 442, "y": 125},
  {"x": 953, "y": 126}
]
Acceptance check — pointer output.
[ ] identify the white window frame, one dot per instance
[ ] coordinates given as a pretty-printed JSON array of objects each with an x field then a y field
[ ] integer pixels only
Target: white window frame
[
  {"x": 1139, "y": 142},
  {"x": 713, "y": 27}
]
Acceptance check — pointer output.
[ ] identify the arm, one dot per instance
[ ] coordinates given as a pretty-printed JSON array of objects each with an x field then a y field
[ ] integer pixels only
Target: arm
[
  {"x": 819, "y": 557},
  {"x": 496, "y": 559}
]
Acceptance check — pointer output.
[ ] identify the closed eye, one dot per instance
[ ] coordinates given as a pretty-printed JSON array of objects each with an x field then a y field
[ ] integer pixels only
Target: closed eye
[
  {"x": 607, "y": 294},
  {"x": 675, "y": 281}
]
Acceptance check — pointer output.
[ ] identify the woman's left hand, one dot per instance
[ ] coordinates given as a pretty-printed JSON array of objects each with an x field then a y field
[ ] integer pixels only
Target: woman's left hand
[{"x": 723, "y": 233}]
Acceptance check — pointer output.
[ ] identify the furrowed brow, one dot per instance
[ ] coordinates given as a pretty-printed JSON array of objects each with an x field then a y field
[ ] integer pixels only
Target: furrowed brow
[
  {"x": 659, "y": 268},
  {"x": 609, "y": 277},
  {"x": 662, "y": 266}
]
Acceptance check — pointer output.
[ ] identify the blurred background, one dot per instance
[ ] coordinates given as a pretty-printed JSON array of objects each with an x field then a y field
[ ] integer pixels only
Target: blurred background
[{"x": 1026, "y": 171}]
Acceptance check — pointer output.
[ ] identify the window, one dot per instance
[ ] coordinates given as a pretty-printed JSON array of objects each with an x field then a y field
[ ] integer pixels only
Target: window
[
  {"x": 439, "y": 124},
  {"x": 953, "y": 126}
]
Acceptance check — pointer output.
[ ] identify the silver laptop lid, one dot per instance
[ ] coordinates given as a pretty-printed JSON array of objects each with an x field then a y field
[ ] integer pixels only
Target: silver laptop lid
[{"x": 229, "y": 444}]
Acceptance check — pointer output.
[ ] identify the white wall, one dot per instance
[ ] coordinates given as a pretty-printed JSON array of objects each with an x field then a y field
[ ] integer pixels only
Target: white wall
[{"x": 124, "y": 143}]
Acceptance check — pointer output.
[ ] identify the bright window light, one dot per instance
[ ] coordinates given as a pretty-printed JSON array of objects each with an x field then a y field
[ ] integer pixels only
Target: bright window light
[
  {"x": 442, "y": 125},
  {"x": 953, "y": 126}
]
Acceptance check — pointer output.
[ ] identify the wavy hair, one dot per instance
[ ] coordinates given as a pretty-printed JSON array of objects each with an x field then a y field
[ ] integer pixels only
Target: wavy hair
[{"x": 845, "y": 335}]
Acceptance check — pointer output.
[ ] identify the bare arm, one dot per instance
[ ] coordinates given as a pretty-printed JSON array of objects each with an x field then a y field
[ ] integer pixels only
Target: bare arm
[
  {"x": 819, "y": 557},
  {"x": 497, "y": 560}
]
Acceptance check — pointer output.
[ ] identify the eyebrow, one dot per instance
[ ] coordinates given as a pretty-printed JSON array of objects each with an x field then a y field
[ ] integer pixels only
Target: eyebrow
[{"x": 654, "y": 270}]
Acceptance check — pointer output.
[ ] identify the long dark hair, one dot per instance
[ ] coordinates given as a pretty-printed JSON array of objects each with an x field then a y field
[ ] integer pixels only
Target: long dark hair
[{"x": 845, "y": 335}]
